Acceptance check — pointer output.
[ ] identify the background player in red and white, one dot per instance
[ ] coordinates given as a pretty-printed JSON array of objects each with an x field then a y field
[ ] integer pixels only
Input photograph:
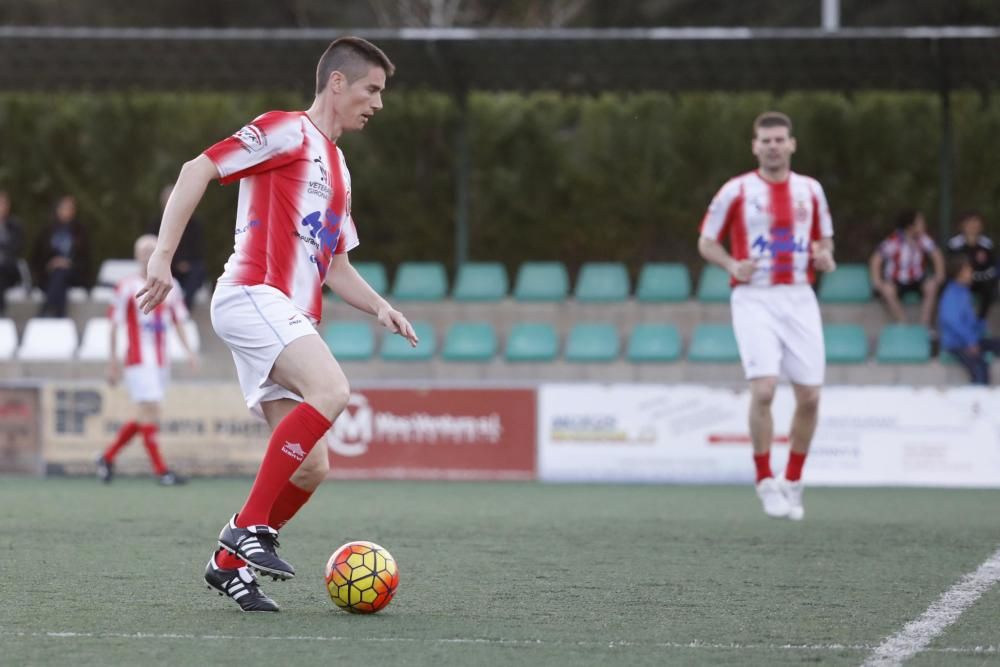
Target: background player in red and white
[
  {"x": 898, "y": 266},
  {"x": 780, "y": 232},
  {"x": 146, "y": 367},
  {"x": 293, "y": 231}
]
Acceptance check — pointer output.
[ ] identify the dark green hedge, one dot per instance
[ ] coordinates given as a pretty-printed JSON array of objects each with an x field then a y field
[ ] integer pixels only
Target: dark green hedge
[{"x": 575, "y": 178}]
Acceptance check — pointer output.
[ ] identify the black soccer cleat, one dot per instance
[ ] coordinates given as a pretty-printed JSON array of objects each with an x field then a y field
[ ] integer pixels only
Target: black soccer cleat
[
  {"x": 240, "y": 586},
  {"x": 170, "y": 478},
  {"x": 105, "y": 469},
  {"x": 256, "y": 545}
]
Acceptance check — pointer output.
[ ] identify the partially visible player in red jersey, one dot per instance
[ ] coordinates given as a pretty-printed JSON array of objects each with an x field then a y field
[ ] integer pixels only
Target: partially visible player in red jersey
[
  {"x": 147, "y": 367},
  {"x": 293, "y": 231},
  {"x": 780, "y": 232}
]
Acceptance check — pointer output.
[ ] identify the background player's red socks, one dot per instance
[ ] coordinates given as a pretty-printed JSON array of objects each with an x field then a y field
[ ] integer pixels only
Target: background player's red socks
[
  {"x": 763, "y": 464},
  {"x": 149, "y": 440},
  {"x": 290, "y": 443},
  {"x": 289, "y": 501},
  {"x": 793, "y": 472},
  {"x": 125, "y": 433}
]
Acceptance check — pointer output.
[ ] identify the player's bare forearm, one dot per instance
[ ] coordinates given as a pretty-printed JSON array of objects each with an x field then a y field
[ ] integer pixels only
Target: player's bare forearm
[
  {"x": 347, "y": 283},
  {"x": 194, "y": 177},
  {"x": 714, "y": 252},
  {"x": 875, "y": 269}
]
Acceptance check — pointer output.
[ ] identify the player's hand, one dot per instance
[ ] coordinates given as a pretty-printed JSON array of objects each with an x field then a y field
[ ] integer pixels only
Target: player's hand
[
  {"x": 742, "y": 270},
  {"x": 114, "y": 373},
  {"x": 158, "y": 283},
  {"x": 823, "y": 259},
  {"x": 396, "y": 322}
]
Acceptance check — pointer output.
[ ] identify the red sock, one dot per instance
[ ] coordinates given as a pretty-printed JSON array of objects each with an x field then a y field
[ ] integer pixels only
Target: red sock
[
  {"x": 227, "y": 561},
  {"x": 125, "y": 433},
  {"x": 287, "y": 504},
  {"x": 149, "y": 440},
  {"x": 290, "y": 443},
  {"x": 793, "y": 471},
  {"x": 763, "y": 464}
]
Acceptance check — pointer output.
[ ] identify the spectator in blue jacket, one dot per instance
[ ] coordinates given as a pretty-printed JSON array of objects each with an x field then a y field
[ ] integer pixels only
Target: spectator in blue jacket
[{"x": 961, "y": 331}]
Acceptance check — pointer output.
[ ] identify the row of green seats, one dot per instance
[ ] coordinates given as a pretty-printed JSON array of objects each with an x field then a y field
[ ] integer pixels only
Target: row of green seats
[
  {"x": 599, "y": 342},
  {"x": 598, "y": 282}
]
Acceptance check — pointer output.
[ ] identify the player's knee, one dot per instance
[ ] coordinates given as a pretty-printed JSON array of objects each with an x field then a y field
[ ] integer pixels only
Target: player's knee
[
  {"x": 762, "y": 393},
  {"x": 330, "y": 400},
  {"x": 808, "y": 400}
]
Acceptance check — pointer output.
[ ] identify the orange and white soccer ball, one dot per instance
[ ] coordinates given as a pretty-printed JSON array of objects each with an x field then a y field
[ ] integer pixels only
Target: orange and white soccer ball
[{"x": 361, "y": 577}]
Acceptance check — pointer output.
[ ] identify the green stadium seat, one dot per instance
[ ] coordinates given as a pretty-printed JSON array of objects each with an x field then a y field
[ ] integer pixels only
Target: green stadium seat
[
  {"x": 530, "y": 341},
  {"x": 850, "y": 283},
  {"x": 374, "y": 274},
  {"x": 903, "y": 344},
  {"x": 911, "y": 299},
  {"x": 481, "y": 281},
  {"x": 663, "y": 282},
  {"x": 541, "y": 281},
  {"x": 713, "y": 285},
  {"x": 654, "y": 343},
  {"x": 350, "y": 341},
  {"x": 592, "y": 342},
  {"x": 713, "y": 343},
  {"x": 420, "y": 281},
  {"x": 845, "y": 343},
  {"x": 397, "y": 348},
  {"x": 602, "y": 282},
  {"x": 470, "y": 341}
]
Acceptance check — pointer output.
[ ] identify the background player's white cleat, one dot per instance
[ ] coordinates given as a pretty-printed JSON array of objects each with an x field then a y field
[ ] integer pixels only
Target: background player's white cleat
[
  {"x": 772, "y": 498},
  {"x": 793, "y": 495}
]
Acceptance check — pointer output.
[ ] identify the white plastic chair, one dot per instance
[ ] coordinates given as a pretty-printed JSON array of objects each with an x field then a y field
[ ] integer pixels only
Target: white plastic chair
[
  {"x": 8, "y": 338},
  {"x": 113, "y": 270},
  {"x": 48, "y": 339},
  {"x": 96, "y": 342}
]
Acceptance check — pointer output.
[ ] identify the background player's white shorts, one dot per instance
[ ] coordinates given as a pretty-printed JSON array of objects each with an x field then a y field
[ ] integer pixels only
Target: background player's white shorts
[
  {"x": 146, "y": 383},
  {"x": 779, "y": 332},
  {"x": 257, "y": 322}
]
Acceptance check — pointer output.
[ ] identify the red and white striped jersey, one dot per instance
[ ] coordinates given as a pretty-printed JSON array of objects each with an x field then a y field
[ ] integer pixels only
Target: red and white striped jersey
[
  {"x": 773, "y": 223},
  {"x": 294, "y": 210},
  {"x": 903, "y": 258},
  {"x": 146, "y": 333}
]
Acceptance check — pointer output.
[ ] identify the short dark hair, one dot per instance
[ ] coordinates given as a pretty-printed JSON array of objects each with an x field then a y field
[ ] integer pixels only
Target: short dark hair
[
  {"x": 969, "y": 215},
  {"x": 955, "y": 264},
  {"x": 772, "y": 119},
  {"x": 907, "y": 218},
  {"x": 353, "y": 57}
]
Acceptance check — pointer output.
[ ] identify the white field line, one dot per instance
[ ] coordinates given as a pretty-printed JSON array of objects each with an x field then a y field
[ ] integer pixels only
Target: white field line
[
  {"x": 917, "y": 634},
  {"x": 488, "y": 641}
]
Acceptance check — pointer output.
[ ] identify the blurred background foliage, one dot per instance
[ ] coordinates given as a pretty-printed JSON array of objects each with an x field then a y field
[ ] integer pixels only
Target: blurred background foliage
[{"x": 576, "y": 178}]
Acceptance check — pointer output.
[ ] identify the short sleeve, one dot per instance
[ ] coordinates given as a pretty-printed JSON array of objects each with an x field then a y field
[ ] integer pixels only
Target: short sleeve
[
  {"x": 119, "y": 304},
  {"x": 927, "y": 243},
  {"x": 269, "y": 141},
  {"x": 716, "y": 219},
  {"x": 823, "y": 211},
  {"x": 348, "y": 237}
]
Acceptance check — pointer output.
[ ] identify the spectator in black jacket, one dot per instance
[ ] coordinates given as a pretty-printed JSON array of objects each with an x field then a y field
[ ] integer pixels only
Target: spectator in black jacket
[
  {"x": 979, "y": 249},
  {"x": 62, "y": 258},
  {"x": 11, "y": 247}
]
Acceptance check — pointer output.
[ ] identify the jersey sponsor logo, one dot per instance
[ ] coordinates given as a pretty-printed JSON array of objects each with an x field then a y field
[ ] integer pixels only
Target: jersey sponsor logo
[
  {"x": 325, "y": 231},
  {"x": 322, "y": 187},
  {"x": 801, "y": 211},
  {"x": 252, "y": 138},
  {"x": 782, "y": 240},
  {"x": 247, "y": 227}
]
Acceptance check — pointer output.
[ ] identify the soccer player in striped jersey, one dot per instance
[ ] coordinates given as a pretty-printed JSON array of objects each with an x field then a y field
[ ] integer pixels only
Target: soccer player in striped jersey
[
  {"x": 780, "y": 233},
  {"x": 147, "y": 368},
  {"x": 293, "y": 231}
]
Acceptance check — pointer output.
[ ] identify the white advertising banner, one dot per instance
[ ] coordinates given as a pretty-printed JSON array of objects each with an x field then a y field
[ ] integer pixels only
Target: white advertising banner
[{"x": 867, "y": 436}]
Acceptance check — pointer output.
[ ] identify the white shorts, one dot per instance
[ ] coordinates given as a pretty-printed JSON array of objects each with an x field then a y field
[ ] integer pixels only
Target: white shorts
[
  {"x": 257, "y": 322},
  {"x": 779, "y": 332},
  {"x": 146, "y": 383}
]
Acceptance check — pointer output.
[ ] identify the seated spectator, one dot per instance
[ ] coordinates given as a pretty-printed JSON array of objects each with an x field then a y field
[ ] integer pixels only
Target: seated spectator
[
  {"x": 960, "y": 329},
  {"x": 62, "y": 258},
  {"x": 189, "y": 265},
  {"x": 897, "y": 267},
  {"x": 11, "y": 247},
  {"x": 971, "y": 242}
]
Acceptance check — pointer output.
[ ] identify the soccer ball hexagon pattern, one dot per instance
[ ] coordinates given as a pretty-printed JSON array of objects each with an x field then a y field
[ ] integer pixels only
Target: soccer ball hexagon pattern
[{"x": 361, "y": 577}]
